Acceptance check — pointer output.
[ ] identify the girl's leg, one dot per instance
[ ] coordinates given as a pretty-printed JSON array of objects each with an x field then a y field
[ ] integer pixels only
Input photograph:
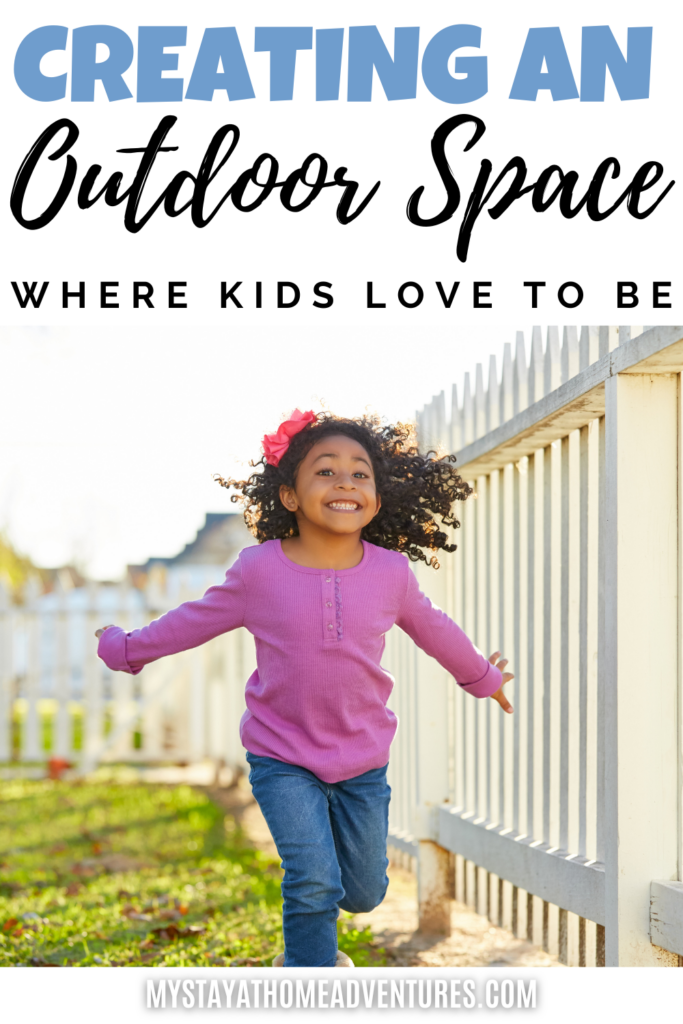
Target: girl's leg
[
  {"x": 296, "y": 807},
  {"x": 359, "y": 810}
]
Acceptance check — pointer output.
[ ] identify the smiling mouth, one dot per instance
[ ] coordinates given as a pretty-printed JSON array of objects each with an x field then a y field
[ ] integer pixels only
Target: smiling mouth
[{"x": 343, "y": 506}]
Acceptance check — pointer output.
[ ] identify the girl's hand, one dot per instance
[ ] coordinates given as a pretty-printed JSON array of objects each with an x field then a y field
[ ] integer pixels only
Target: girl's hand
[
  {"x": 99, "y": 632},
  {"x": 507, "y": 676}
]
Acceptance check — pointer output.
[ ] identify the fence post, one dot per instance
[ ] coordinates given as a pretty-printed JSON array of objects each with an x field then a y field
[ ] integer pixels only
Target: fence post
[
  {"x": 93, "y": 725},
  {"x": 62, "y": 735},
  {"x": 32, "y": 746},
  {"x": 6, "y": 665},
  {"x": 431, "y": 732},
  {"x": 640, "y": 657}
]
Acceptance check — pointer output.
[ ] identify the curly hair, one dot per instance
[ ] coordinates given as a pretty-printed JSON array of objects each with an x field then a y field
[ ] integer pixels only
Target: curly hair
[{"x": 417, "y": 490}]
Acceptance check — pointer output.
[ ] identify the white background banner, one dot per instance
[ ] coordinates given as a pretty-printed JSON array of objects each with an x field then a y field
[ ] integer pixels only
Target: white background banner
[
  {"x": 75, "y": 997},
  {"x": 471, "y": 268}
]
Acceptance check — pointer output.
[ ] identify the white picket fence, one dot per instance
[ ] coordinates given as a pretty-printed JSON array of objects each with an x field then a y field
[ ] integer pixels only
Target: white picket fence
[
  {"x": 58, "y": 699},
  {"x": 562, "y": 821}
]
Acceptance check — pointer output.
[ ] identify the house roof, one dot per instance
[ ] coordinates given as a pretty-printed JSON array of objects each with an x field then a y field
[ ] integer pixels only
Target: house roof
[{"x": 217, "y": 542}]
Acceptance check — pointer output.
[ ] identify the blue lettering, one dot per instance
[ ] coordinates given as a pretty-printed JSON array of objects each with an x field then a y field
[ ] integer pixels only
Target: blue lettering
[
  {"x": 283, "y": 44},
  {"x": 27, "y": 73},
  {"x": 438, "y": 78},
  {"x": 329, "y": 44},
  {"x": 630, "y": 74},
  {"x": 86, "y": 69},
  {"x": 367, "y": 52},
  {"x": 220, "y": 44},
  {"x": 152, "y": 60},
  {"x": 544, "y": 43}
]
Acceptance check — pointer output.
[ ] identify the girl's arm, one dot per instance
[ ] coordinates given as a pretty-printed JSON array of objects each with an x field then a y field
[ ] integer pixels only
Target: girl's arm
[
  {"x": 441, "y": 638},
  {"x": 193, "y": 623}
]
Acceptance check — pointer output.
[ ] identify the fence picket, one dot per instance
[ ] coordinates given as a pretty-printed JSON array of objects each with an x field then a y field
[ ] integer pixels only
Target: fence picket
[
  {"x": 7, "y": 619},
  {"x": 520, "y": 377},
  {"x": 536, "y": 371}
]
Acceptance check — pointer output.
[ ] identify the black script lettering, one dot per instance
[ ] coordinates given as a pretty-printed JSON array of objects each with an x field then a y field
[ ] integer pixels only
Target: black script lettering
[
  {"x": 28, "y": 166},
  {"x": 481, "y": 195},
  {"x": 219, "y": 151}
]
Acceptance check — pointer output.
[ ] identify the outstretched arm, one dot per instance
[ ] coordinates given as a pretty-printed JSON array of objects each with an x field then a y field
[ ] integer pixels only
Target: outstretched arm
[
  {"x": 193, "y": 623},
  {"x": 441, "y": 638}
]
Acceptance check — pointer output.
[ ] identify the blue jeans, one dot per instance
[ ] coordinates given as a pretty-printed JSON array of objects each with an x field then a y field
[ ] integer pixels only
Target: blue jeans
[{"x": 332, "y": 840}]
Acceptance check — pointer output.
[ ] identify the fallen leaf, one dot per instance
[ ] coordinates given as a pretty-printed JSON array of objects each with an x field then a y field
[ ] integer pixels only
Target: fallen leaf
[
  {"x": 73, "y": 888},
  {"x": 84, "y": 869},
  {"x": 12, "y": 922},
  {"x": 115, "y": 862},
  {"x": 168, "y": 915},
  {"x": 124, "y": 894},
  {"x": 100, "y": 935},
  {"x": 97, "y": 847},
  {"x": 183, "y": 909},
  {"x": 147, "y": 944},
  {"x": 58, "y": 848}
]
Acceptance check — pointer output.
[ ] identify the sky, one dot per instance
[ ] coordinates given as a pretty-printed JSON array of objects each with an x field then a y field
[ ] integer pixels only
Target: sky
[{"x": 109, "y": 439}]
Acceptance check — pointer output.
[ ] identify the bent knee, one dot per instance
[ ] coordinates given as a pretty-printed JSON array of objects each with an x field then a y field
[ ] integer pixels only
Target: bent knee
[{"x": 363, "y": 902}]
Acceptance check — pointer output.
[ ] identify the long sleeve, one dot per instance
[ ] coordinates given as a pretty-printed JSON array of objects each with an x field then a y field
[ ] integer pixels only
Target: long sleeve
[
  {"x": 436, "y": 634},
  {"x": 221, "y": 609}
]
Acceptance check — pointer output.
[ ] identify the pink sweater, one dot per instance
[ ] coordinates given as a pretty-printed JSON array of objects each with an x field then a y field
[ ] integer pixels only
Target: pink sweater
[{"x": 318, "y": 697}]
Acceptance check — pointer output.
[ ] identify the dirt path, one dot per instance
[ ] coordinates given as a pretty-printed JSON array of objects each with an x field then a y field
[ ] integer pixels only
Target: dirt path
[{"x": 474, "y": 941}]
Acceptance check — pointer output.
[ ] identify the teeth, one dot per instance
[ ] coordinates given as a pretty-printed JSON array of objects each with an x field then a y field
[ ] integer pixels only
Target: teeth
[{"x": 343, "y": 504}]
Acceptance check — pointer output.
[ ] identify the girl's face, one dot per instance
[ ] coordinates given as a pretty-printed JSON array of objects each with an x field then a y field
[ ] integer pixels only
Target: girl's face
[{"x": 335, "y": 487}]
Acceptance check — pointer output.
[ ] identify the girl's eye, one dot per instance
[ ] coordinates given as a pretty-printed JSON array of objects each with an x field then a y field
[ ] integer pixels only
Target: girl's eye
[
  {"x": 360, "y": 474},
  {"x": 325, "y": 472}
]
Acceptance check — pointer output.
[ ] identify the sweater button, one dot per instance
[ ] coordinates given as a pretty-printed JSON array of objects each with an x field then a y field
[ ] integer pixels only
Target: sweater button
[
  {"x": 329, "y": 604},
  {"x": 330, "y": 625},
  {"x": 328, "y": 580}
]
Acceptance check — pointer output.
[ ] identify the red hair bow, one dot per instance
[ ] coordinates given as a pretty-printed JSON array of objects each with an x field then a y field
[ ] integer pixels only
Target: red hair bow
[{"x": 275, "y": 445}]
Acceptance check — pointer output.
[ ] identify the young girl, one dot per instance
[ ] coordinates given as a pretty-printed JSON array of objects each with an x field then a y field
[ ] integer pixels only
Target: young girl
[{"x": 334, "y": 504}]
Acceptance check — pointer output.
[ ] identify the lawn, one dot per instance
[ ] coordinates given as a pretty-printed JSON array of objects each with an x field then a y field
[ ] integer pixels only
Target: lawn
[{"x": 113, "y": 874}]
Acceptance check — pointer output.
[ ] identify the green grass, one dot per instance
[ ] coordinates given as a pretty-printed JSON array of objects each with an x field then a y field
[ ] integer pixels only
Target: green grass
[{"x": 95, "y": 874}]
